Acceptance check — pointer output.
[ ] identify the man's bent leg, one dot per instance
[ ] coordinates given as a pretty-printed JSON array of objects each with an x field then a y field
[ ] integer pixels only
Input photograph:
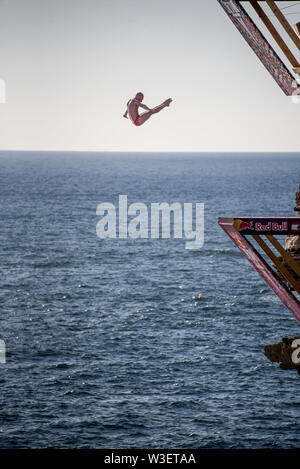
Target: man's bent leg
[
  {"x": 143, "y": 117},
  {"x": 161, "y": 106}
]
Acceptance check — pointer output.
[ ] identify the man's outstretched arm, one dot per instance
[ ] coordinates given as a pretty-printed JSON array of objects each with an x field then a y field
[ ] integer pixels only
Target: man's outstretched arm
[
  {"x": 125, "y": 115},
  {"x": 141, "y": 105}
]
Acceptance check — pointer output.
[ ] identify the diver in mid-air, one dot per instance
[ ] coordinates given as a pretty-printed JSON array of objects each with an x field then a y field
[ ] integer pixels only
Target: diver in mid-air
[{"x": 134, "y": 104}]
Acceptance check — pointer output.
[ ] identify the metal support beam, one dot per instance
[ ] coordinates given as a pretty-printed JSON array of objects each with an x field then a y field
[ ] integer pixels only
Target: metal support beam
[
  {"x": 284, "y": 23},
  {"x": 289, "y": 55},
  {"x": 285, "y": 254},
  {"x": 280, "y": 266}
]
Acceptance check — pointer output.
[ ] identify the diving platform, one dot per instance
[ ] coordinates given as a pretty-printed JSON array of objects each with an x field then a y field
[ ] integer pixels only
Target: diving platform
[
  {"x": 284, "y": 64},
  {"x": 256, "y": 238}
]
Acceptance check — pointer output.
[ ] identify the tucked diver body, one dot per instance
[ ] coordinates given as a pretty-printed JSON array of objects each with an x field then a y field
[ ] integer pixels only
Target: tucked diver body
[{"x": 133, "y": 109}]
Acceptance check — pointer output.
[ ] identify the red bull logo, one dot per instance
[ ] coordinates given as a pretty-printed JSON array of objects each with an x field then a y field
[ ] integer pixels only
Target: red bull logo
[
  {"x": 271, "y": 226},
  {"x": 241, "y": 225}
]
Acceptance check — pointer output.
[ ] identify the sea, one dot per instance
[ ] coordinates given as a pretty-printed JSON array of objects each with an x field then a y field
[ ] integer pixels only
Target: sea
[{"x": 131, "y": 342}]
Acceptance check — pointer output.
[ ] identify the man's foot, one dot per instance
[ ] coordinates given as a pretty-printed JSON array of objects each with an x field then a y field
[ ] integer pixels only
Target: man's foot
[
  {"x": 297, "y": 28},
  {"x": 168, "y": 102}
]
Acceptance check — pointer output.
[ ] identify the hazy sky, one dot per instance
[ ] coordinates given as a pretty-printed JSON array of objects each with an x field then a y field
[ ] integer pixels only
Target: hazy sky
[{"x": 70, "y": 67}]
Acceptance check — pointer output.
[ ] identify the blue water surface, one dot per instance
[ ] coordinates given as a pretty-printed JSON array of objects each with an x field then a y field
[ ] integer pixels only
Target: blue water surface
[{"x": 140, "y": 343}]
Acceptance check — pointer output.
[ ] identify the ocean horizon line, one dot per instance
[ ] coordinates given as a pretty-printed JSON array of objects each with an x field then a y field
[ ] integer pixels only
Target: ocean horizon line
[{"x": 137, "y": 152}]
